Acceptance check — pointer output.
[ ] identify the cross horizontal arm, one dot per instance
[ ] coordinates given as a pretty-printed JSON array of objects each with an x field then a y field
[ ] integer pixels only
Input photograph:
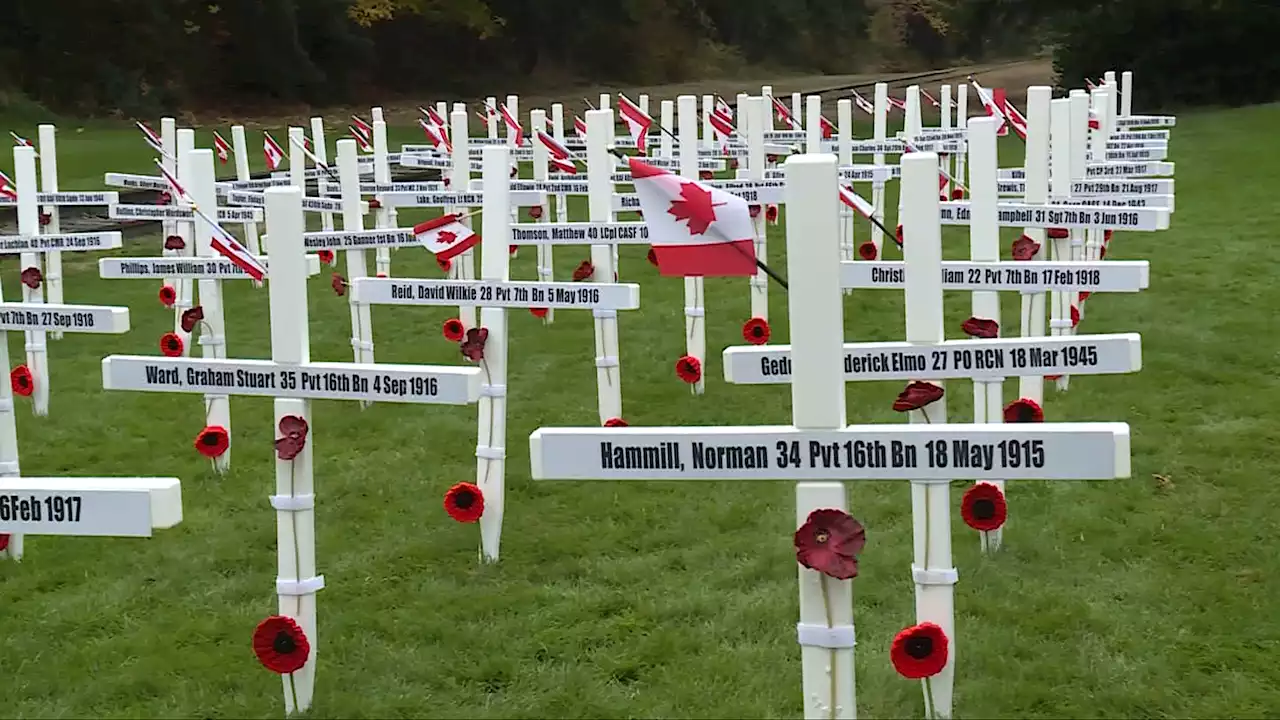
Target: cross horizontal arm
[
  {"x": 64, "y": 318},
  {"x": 496, "y": 293},
  {"x": 1024, "y": 276},
  {"x": 197, "y": 268},
  {"x": 113, "y": 507}
]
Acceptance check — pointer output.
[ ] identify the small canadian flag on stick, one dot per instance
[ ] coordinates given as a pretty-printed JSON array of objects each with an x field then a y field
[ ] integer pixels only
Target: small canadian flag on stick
[
  {"x": 695, "y": 230},
  {"x": 272, "y": 151},
  {"x": 221, "y": 147},
  {"x": 446, "y": 236}
]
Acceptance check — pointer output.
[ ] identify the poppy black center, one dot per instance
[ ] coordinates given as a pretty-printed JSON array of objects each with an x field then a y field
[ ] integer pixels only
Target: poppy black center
[
  {"x": 919, "y": 647},
  {"x": 984, "y": 509},
  {"x": 1026, "y": 414},
  {"x": 822, "y": 536},
  {"x": 464, "y": 499},
  {"x": 757, "y": 331},
  {"x": 209, "y": 439},
  {"x": 283, "y": 643}
]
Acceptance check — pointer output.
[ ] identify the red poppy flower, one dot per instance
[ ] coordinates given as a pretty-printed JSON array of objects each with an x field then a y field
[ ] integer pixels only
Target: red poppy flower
[
  {"x": 772, "y": 158},
  {"x": 756, "y": 331},
  {"x": 983, "y": 507},
  {"x": 473, "y": 347},
  {"x": 375, "y": 204},
  {"x": 515, "y": 170},
  {"x": 980, "y": 327},
  {"x": 339, "y": 285},
  {"x": 957, "y": 194},
  {"x": 45, "y": 218},
  {"x": 640, "y": 214},
  {"x": 916, "y": 395},
  {"x": 1024, "y": 248},
  {"x": 453, "y": 330},
  {"x": 1102, "y": 253},
  {"x": 444, "y": 264},
  {"x": 168, "y": 296},
  {"x": 212, "y": 441},
  {"x": 164, "y": 198},
  {"x": 689, "y": 369},
  {"x": 538, "y": 312},
  {"x": 464, "y": 502},
  {"x": 1075, "y": 316},
  {"x": 615, "y": 422},
  {"x": 754, "y": 210},
  {"x": 535, "y": 212},
  {"x": 326, "y": 256},
  {"x": 1058, "y": 233},
  {"x": 1023, "y": 410},
  {"x": 294, "y": 431},
  {"x": 191, "y": 317},
  {"x": 705, "y": 175},
  {"x": 381, "y": 275},
  {"x": 584, "y": 271},
  {"x": 897, "y": 232},
  {"x": 21, "y": 382},
  {"x": 4, "y": 541},
  {"x": 446, "y": 182},
  {"x": 867, "y": 250},
  {"x": 280, "y": 645},
  {"x": 733, "y": 163},
  {"x": 511, "y": 249},
  {"x": 942, "y": 197},
  {"x": 829, "y": 541},
  {"x": 31, "y": 277},
  {"x": 652, "y": 257},
  {"x": 771, "y": 213},
  {"x": 170, "y": 345},
  {"x": 174, "y": 242},
  {"x": 919, "y": 652}
]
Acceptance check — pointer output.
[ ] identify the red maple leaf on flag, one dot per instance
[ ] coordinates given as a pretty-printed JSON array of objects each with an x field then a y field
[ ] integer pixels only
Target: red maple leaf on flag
[
  {"x": 447, "y": 237},
  {"x": 695, "y": 206}
]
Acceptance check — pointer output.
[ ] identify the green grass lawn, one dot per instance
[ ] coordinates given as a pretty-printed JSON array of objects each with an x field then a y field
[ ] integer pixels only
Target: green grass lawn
[{"x": 1143, "y": 597}]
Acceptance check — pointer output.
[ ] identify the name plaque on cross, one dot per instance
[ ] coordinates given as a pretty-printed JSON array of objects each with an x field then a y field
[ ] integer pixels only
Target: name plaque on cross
[
  {"x": 90, "y": 507},
  {"x": 415, "y": 384},
  {"x": 1025, "y": 276},
  {"x": 12, "y": 244},
  {"x": 183, "y": 267},
  {"x": 77, "y": 318},
  {"x": 497, "y": 293},
  {"x": 1062, "y": 216},
  {"x": 580, "y": 233},
  {"x": 1070, "y": 451},
  {"x": 67, "y": 198},
  {"x": 456, "y": 199}
]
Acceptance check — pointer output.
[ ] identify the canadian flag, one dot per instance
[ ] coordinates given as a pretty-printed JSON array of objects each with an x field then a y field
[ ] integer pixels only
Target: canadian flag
[
  {"x": 557, "y": 154},
  {"x": 363, "y": 128},
  {"x": 446, "y": 236},
  {"x": 993, "y": 105},
  {"x": 272, "y": 151},
  {"x": 1089, "y": 84},
  {"x": 580, "y": 127},
  {"x": 695, "y": 230},
  {"x": 227, "y": 246},
  {"x": 1094, "y": 122},
  {"x": 784, "y": 115},
  {"x": 513, "y": 125},
  {"x": 897, "y": 104},
  {"x": 1017, "y": 120},
  {"x": 436, "y": 136},
  {"x": 19, "y": 140},
  {"x": 7, "y": 188},
  {"x": 441, "y": 127},
  {"x": 361, "y": 140},
  {"x": 721, "y": 125},
  {"x": 856, "y": 201},
  {"x": 723, "y": 107},
  {"x": 863, "y": 103},
  {"x": 152, "y": 138},
  {"x": 637, "y": 122},
  {"x": 221, "y": 147},
  {"x": 828, "y": 130}
]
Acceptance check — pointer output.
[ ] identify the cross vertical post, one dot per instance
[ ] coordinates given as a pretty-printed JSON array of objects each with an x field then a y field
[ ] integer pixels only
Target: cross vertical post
[
  {"x": 1098, "y": 146},
  {"x": 1037, "y": 192},
  {"x": 169, "y": 161},
  {"x": 600, "y": 209},
  {"x": 562, "y": 204},
  {"x": 944, "y": 102},
  {"x": 667, "y": 110},
  {"x": 879, "y": 134},
  {"x": 213, "y": 336},
  {"x": 321, "y": 151},
  {"x": 384, "y": 217},
  {"x": 353, "y": 219},
  {"x": 695, "y": 328},
  {"x": 1060, "y": 191},
  {"x": 751, "y": 113},
  {"x": 24, "y": 171},
  {"x": 492, "y": 431},
  {"x": 1126, "y": 93},
  {"x": 491, "y": 122},
  {"x": 48, "y": 143},
  {"x": 766, "y": 92},
  {"x": 546, "y": 267},
  {"x": 844, "y": 151},
  {"x": 962, "y": 121},
  {"x": 708, "y": 134},
  {"x": 241, "y": 150},
  {"x": 464, "y": 265},
  {"x": 813, "y": 124},
  {"x": 1079, "y": 169},
  {"x": 184, "y": 143}
]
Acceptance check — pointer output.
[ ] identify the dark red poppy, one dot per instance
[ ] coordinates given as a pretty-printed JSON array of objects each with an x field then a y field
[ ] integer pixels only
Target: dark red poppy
[
  {"x": 1106, "y": 235},
  {"x": 31, "y": 277},
  {"x": 464, "y": 502},
  {"x": 473, "y": 347},
  {"x": 21, "y": 382},
  {"x": 916, "y": 395},
  {"x": 212, "y": 441},
  {"x": 1023, "y": 410},
  {"x": 1102, "y": 252},
  {"x": 771, "y": 213},
  {"x": 1024, "y": 248},
  {"x": 170, "y": 345},
  {"x": 705, "y": 175},
  {"x": 652, "y": 257},
  {"x": 980, "y": 327},
  {"x": 1058, "y": 233},
  {"x": 174, "y": 242},
  {"x": 754, "y": 210},
  {"x": 689, "y": 369},
  {"x": 168, "y": 296},
  {"x": 829, "y": 541},
  {"x": 538, "y": 312},
  {"x": 535, "y": 212},
  {"x": 326, "y": 256},
  {"x": 733, "y": 163},
  {"x": 45, "y": 218},
  {"x": 957, "y": 194},
  {"x": 511, "y": 249},
  {"x": 756, "y": 331},
  {"x": 584, "y": 271},
  {"x": 640, "y": 214},
  {"x": 164, "y": 198},
  {"x": 897, "y": 232},
  {"x": 381, "y": 275},
  {"x": 4, "y": 541},
  {"x": 515, "y": 170},
  {"x": 867, "y": 250},
  {"x": 1085, "y": 295},
  {"x": 983, "y": 507},
  {"x": 339, "y": 285},
  {"x": 1075, "y": 316},
  {"x": 453, "y": 330},
  {"x": 942, "y": 197},
  {"x": 293, "y": 431},
  {"x": 919, "y": 651},
  {"x": 192, "y": 317},
  {"x": 772, "y": 158},
  {"x": 280, "y": 645},
  {"x": 444, "y": 264},
  {"x": 615, "y": 422},
  {"x": 375, "y": 204},
  {"x": 446, "y": 182}
]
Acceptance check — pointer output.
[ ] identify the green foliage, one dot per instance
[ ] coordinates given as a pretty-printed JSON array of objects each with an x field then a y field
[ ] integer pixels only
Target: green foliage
[{"x": 1182, "y": 52}]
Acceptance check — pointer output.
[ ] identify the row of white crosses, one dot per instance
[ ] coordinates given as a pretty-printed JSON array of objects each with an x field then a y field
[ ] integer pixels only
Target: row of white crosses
[
  {"x": 819, "y": 446},
  {"x": 125, "y": 507}
]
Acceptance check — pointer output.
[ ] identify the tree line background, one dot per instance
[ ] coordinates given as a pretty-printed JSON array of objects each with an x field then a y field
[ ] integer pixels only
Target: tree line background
[{"x": 137, "y": 57}]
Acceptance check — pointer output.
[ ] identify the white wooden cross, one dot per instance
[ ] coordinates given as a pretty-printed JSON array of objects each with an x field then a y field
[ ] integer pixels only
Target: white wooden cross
[
  {"x": 494, "y": 292},
  {"x": 293, "y": 380},
  {"x": 820, "y": 447}
]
